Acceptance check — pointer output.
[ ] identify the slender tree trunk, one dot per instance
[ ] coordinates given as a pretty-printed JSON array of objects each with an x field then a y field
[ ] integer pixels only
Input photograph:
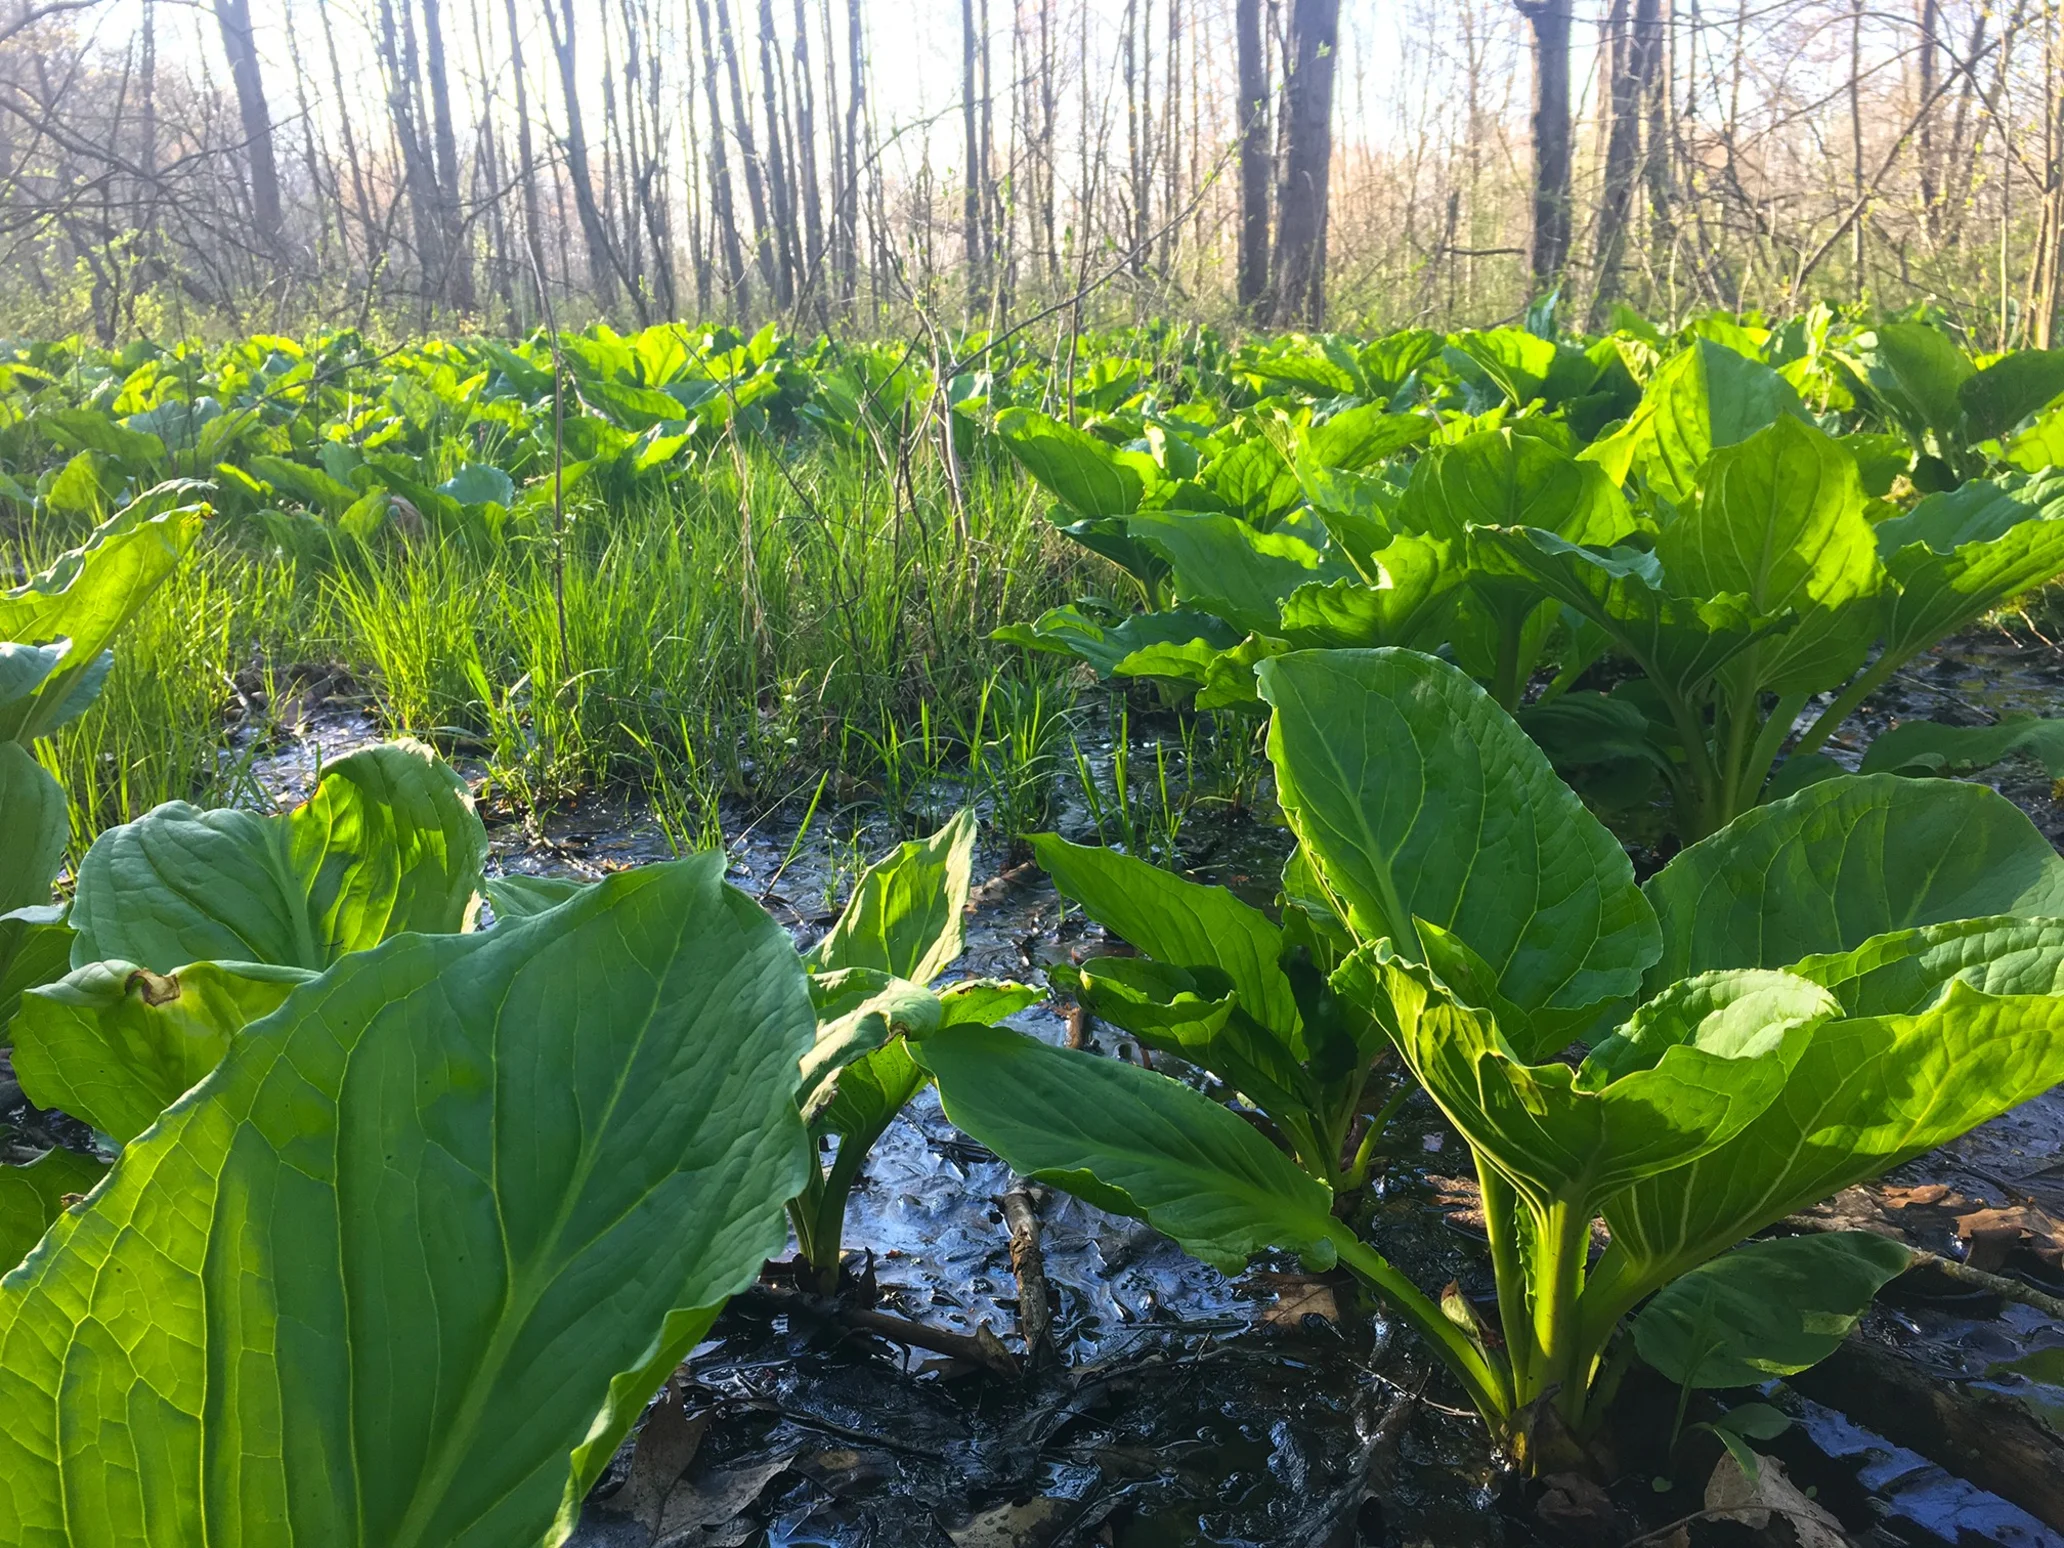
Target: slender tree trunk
[
  {"x": 1251, "y": 121},
  {"x": 419, "y": 177},
  {"x": 1634, "y": 57},
  {"x": 722, "y": 213},
  {"x": 459, "y": 286},
  {"x": 971, "y": 193},
  {"x": 533, "y": 220},
  {"x": 1548, "y": 254},
  {"x": 856, "y": 101},
  {"x": 234, "y": 18},
  {"x": 781, "y": 192},
  {"x": 601, "y": 262},
  {"x": 806, "y": 155},
  {"x": 1301, "y": 203},
  {"x": 764, "y": 238},
  {"x": 1929, "y": 172},
  {"x": 1856, "y": 222}
]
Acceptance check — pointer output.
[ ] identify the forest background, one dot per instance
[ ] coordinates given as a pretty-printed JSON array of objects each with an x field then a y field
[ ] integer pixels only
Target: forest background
[{"x": 215, "y": 167}]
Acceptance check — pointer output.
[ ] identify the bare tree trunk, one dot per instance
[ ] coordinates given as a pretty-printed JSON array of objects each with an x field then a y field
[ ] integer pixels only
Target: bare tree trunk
[
  {"x": 533, "y": 221},
  {"x": 722, "y": 213},
  {"x": 1856, "y": 141},
  {"x": 2046, "y": 279},
  {"x": 1252, "y": 122},
  {"x": 419, "y": 177},
  {"x": 748, "y": 150},
  {"x": 806, "y": 155},
  {"x": 856, "y": 100},
  {"x": 1929, "y": 172},
  {"x": 780, "y": 193},
  {"x": 1307, "y": 163},
  {"x": 1549, "y": 253},
  {"x": 601, "y": 262},
  {"x": 971, "y": 193},
  {"x": 234, "y": 18},
  {"x": 459, "y": 282},
  {"x": 1633, "y": 57}
]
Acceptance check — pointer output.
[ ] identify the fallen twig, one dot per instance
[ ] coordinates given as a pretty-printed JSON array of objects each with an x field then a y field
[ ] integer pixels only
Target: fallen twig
[{"x": 1028, "y": 1262}]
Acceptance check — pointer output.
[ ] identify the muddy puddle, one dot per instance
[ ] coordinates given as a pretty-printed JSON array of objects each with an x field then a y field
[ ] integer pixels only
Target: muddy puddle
[{"x": 1181, "y": 1407}]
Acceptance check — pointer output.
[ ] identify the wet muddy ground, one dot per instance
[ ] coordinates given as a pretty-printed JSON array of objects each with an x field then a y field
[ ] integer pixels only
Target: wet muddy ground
[{"x": 1185, "y": 1408}]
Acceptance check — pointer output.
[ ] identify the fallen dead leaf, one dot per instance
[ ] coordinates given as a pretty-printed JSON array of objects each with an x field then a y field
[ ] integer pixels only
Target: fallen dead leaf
[
  {"x": 713, "y": 1499},
  {"x": 1732, "y": 1496},
  {"x": 665, "y": 1446},
  {"x": 1294, "y": 1297},
  {"x": 1033, "y": 1524}
]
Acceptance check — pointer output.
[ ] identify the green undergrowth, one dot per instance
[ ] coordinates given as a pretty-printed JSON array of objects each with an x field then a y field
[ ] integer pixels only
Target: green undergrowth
[{"x": 784, "y": 620}]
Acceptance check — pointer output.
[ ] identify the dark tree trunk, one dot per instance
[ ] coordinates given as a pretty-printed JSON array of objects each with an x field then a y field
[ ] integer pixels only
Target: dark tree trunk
[
  {"x": 419, "y": 177},
  {"x": 234, "y": 17},
  {"x": 1549, "y": 254},
  {"x": 1633, "y": 62},
  {"x": 1252, "y": 121},
  {"x": 1300, "y": 290}
]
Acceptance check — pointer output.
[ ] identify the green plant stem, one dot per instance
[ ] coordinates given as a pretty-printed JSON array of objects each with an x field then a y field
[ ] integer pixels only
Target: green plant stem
[
  {"x": 1560, "y": 1239},
  {"x": 1365, "y": 1153},
  {"x": 1488, "y": 1387},
  {"x": 1830, "y": 719},
  {"x": 1500, "y": 1205},
  {"x": 1507, "y": 685},
  {"x": 1756, "y": 773}
]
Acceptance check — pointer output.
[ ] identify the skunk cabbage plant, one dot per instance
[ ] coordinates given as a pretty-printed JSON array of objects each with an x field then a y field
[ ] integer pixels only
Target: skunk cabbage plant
[
  {"x": 870, "y": 982},
  {"x": 404, "y": 1269},
  {"x": 1830, "y": 985}
]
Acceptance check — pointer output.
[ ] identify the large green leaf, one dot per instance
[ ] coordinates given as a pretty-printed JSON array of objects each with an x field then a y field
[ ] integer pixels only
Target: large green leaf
[
  {"x": 1842, "y": 861},
  {"x": 1501, "y": 478},
  {"x": 1132, "y": 1142},
  {"x": 1780, "y": 522},
  {"x": 1922, "y": 747},
  {"x": 1419, "y": 799},
  {"x": 35, "y": 948},
  {"x": 1361, "y": 437},
  {"x": 1918, "y": 369},
  {"x": 405, "y": 1269},
  {"x": 1413, "y": 579},
  {"x": 1076, "y": 469},
  {"x": 2009, "y": 390},
  {"x": 1766, "y": 1309},
  {"x": 1703, "y": 1067},
  {"x": 114, "y": 1044},
  {"x": 1956, "y": 557},
  {"x": 1130, "y": 647},
  {"x": 89, "y": 595},
  {"x": 388, "y": 842},
  {"x": 1866, "y": 1094},
  {"x": 1181, "y": 923},
  {"x": 906, "y": 914},
  {"x": 1224, "y": 567},
  {"x": 34, "y": 827},
  {"x": 25, "y": 712},
  {"x": 33, "y": 1195},
  {"x": 1909, "y": 970},
  {"x": 1681, "y": 642},
  {"x": 1706, "y": 397}
]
